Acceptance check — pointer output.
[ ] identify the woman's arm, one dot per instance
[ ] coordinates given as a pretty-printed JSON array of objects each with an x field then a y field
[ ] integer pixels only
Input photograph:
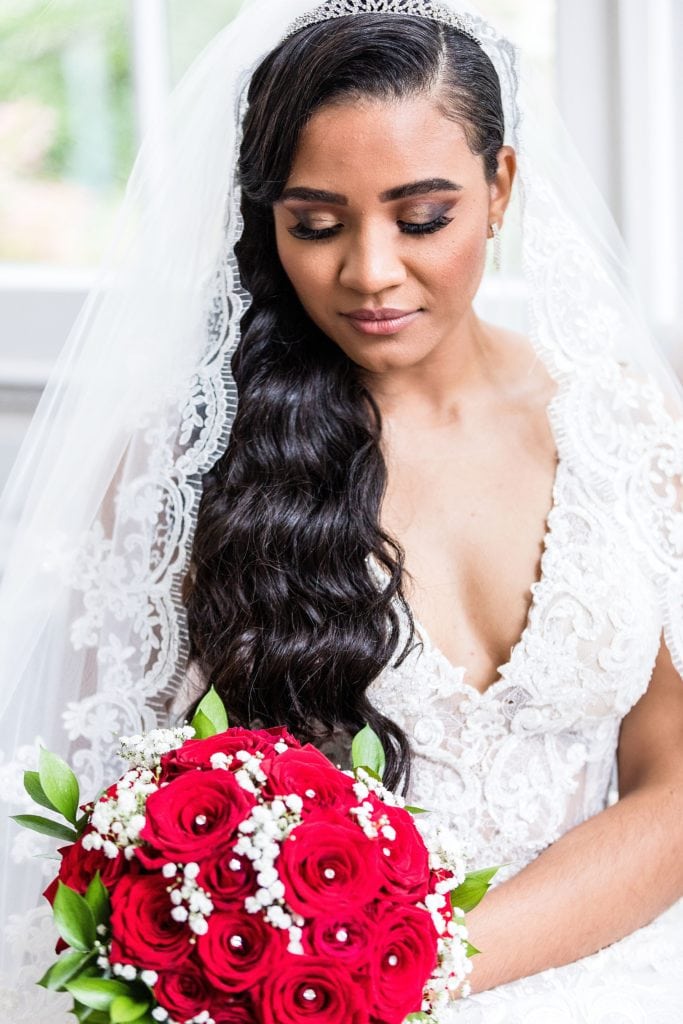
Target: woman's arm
[{"x": 609, "y": 875}]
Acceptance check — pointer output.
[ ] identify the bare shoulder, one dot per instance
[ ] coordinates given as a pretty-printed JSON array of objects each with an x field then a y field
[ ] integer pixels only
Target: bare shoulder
[{"x": 530, "y": 381}]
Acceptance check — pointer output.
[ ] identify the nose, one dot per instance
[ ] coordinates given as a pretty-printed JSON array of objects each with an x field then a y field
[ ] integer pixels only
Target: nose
[{"x": 371, "y": 263}]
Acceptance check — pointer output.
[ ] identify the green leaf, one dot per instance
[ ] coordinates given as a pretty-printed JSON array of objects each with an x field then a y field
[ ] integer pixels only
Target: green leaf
[
  {"x": 74, "y": 919},
  {"x": 472, "y": 950},
  {"x": 36, "y": 792},
  {"x": 367, "y": 750},
  {"x": 82, "y": 822},
  {"x": 420, "y": 1015},
  {"x": 203, "y": 727},
  {"x": 87, "y": 1015},
  {"x": 415, "y": 810},
  {"x": 97, "y": 898},
  {"x": 97, "y": 993},
  {"x": 46, "y": 826},
  {"x": 212, "y": 708},
  {"x": 59, "y": 784},
  {"x": 125, "y": 1009},
  {"x": 472, "y": 891},
  {"x": 67, "y": 967}
]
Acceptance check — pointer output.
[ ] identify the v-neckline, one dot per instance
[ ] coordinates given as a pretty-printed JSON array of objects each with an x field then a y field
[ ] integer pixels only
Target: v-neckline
[{"x": 501, "y": 670}]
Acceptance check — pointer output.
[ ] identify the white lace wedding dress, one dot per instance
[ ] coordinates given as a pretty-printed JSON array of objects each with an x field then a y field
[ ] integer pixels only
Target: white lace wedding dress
[{"x": 513, "y": 769}]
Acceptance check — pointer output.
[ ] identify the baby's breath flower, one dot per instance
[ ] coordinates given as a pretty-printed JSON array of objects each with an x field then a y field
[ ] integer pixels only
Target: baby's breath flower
[{"x": 146, "y": 750}]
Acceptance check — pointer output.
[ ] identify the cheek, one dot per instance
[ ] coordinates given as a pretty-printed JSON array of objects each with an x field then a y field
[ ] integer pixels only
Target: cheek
[
  {"x": 312, "y": 279},
  {"x": 456, "y": 266},
  {"x": 309, "y": 269}
]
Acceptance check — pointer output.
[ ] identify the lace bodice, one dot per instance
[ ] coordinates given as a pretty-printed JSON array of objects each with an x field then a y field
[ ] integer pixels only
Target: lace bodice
[{"x": 514, "y": 768}]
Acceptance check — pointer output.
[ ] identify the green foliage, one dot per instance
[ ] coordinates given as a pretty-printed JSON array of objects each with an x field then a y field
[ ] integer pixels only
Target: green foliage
[
  {"x": 74, "y": 919},
  {"x": 67, "y": 967},
  {"x": 203, "y": 728},
  {"x": 87, "y": 1015},
  {"x": 472, "y": 891},
  {"x": 36, "y": 792},
  {"x": 59, "y": 784},
  {"x": 210, "y": 717},
  {"x": 46, "y": 826},
  {"x": 54, "y": 786},
  {"x": 367, "y": 751},
  {"x": 126, "y": 1009},
  {"x": 97, "y": 993},
  {"x": 97, "y": 898}
]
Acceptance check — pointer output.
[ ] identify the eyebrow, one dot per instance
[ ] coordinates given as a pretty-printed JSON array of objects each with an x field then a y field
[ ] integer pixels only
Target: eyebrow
[{"x": 414, "y": 188}]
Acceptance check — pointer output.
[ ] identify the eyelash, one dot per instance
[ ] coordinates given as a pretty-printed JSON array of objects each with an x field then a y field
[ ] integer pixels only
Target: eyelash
[{"x": 313, "y": 235}]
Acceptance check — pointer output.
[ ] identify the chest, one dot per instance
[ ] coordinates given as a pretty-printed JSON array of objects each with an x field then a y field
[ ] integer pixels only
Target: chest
[
  {"x": 471, "y": 516},
  {"x": 586, "y": 649}
]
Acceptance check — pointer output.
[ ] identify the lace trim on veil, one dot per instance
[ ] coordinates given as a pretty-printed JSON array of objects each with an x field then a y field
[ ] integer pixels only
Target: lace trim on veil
[{"x": 609, "y": 422}]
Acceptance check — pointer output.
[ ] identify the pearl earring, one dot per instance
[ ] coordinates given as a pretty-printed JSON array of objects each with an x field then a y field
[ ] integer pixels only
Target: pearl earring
[{"x": 497, "y": 248}]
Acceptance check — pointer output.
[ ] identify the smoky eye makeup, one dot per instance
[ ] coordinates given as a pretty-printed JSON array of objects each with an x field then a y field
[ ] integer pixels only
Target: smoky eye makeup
[
  {"x": 415, "y": 218},
  {"x": 425, "y": 211}
]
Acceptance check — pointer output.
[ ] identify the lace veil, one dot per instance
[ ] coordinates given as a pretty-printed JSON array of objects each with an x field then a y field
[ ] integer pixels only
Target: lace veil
[{"x": 101, "y": 505}]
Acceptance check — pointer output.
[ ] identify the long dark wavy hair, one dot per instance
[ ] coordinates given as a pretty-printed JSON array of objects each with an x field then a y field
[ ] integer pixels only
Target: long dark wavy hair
[{"x": 285, "y": 620}]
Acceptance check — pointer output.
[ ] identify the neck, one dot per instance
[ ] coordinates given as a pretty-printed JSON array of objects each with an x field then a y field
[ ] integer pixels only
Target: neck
[{"x": 463, "y": 370}]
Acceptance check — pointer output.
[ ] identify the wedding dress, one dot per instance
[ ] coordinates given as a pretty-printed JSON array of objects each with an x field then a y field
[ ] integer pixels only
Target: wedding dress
[
  {"x": 101, "y": 506},
  {"x": 515, "y": 767}
]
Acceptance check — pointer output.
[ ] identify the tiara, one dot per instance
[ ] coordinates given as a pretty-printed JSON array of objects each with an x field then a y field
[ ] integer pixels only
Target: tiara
[{"x": 414, "y": 8}]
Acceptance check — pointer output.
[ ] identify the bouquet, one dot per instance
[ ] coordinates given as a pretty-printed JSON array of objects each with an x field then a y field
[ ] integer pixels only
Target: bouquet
[{"x": 233, "y": 876}]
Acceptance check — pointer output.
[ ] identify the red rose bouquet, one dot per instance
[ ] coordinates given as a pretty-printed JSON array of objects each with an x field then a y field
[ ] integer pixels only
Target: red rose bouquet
[{"x": 234, "y": 876}]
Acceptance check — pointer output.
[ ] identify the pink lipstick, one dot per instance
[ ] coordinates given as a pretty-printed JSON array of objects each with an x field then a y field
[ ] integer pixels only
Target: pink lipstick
[{"x": 381, "y": 321}]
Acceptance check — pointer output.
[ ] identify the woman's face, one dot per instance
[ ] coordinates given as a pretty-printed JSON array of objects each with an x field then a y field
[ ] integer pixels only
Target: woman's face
[{"x": 387, "y": 211}]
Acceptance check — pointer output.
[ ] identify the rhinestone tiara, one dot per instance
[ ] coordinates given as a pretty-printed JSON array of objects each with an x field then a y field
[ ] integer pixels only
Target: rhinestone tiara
[{"x": 415, "y": 8}]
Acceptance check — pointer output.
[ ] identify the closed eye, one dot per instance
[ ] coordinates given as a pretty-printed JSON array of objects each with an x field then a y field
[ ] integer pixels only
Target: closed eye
[
  {"x": 406, "y": 227},
  {"x": 425, "y": 229}
]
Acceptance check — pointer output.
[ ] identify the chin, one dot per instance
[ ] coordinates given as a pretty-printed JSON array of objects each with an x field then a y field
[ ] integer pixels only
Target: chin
[{"x": 379, "y": 355}]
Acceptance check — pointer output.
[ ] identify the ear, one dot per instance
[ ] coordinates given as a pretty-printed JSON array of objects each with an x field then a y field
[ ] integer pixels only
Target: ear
[{"x": 501, "y": 186}]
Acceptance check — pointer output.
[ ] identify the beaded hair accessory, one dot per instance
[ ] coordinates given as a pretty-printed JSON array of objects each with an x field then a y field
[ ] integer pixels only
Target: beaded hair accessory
[{"x": 414, "y": 8}]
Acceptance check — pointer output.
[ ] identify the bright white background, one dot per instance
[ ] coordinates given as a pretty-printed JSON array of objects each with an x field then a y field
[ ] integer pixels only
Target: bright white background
[{"x": 79, "y": 82}]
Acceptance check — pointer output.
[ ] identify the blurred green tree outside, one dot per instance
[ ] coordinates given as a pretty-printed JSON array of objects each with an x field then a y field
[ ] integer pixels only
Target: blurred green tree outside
[
  {"x": 35, "y": 39},
  {"x": 68, "y": 131}
]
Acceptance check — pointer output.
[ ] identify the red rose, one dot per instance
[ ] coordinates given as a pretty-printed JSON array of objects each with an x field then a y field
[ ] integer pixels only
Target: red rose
[
  {"x": 327, "y": 863},
  {"x": 344, "y": 938},
  {"x": 79, "y": 867},
  {"x": 143, "y": 931},
  {"x": 404, "y": 860},
  {"x": 183, "y": 991},
  {"x": 237, "y": 950},
  {"x": 194, "y": 816},
  {"x": 305, "y": 989},
  {"x": 306, "y": 770},
  {"x": 234, "y": 1010},
  {"x": 198, "y": 753},
  {"x": 228, "y": 885},
  {"x": 404, "y": 957}
]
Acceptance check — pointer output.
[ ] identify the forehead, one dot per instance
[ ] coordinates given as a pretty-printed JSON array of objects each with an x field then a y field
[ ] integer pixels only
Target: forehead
[{"x": 379, "y": 144}]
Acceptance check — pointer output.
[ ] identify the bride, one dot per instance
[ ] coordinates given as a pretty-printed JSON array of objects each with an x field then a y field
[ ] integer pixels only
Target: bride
[{"x": 326, "y": 484}]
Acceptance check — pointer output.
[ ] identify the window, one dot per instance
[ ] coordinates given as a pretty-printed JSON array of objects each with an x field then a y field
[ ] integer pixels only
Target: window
[{"x": 67, "y": 133}]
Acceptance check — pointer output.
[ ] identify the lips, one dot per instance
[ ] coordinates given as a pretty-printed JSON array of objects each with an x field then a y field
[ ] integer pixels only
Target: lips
[
  {"x": 381, "y": 321},
  {"x": 379, "y": 314}
]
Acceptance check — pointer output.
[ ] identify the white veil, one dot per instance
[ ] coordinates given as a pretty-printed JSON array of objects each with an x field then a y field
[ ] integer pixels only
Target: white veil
[{"x": 101, "y": 505}]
